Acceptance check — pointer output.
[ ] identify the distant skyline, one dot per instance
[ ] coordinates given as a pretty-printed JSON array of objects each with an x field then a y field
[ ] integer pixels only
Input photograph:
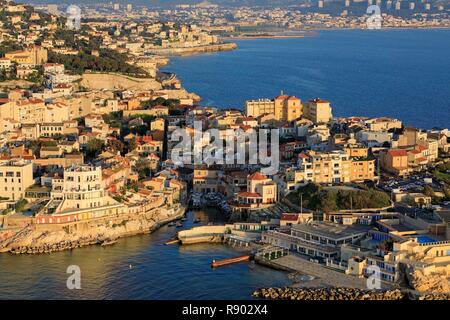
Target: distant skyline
[
  {"x": 161, "y": 3},
  {"x": 225, "y": 3}
]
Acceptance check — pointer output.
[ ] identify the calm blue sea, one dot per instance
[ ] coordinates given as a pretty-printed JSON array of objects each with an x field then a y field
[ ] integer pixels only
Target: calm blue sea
[
  {"x": 397, "y": 73},
  {"x": 157, "y": 271}
]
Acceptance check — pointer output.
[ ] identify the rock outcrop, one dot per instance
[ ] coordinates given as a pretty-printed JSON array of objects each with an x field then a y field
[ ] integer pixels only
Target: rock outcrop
[{"x": 435, "y": 283}]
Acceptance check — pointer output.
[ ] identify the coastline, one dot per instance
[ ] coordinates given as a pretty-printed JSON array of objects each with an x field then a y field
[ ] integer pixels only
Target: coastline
[
  {"x": 45, "y": 240},
  {"x": 315, "y": 32},
  {"x": 193, "y": 50}
]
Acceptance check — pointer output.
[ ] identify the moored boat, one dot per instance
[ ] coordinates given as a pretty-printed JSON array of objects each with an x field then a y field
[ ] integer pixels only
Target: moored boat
[{"x": 224, "y": 262}]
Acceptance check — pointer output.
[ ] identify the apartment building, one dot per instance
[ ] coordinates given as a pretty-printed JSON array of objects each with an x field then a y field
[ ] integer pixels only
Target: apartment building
[
  {"x": 15, "y": 178},
  {"x": 318, "y": 111},
  {"x": 206, "y": 179},
  {"x": 79, "y": 196},
  {"x": 285, "y": 108},
  {"x": 333, "y": 167},
  {"x": 34, "y": 131},
  {"x": 395, "y": 161},
  {"x": 383, "y": 124},
  {"x": 30, "y": 110}
]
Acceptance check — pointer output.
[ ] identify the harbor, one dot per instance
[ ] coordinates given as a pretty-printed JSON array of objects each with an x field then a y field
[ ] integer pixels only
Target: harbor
[{"x": 187, "y": 272}]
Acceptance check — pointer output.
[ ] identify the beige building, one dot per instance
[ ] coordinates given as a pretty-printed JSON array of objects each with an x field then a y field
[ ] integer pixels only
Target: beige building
[
  {"x": 428, "y": 258},
  {"x": 206, "y": 180},
  {"x": 285, "y": 108},
  {"x": 81, "y": 188},
  {"x": 15, "y": 178},
  {"x": 33, "y": 56},
  {"x": 79, "y": 196},
  {"x": 156, "y": 111},
  {"x": 332, "y": 167},
  {"x": 157, "y": 124},
  {"x": 395, "y": 161},
  {"x": 261, "y": 193},
  {"x": 318, "y": 111},
  {"x": 383, "y": 124}
]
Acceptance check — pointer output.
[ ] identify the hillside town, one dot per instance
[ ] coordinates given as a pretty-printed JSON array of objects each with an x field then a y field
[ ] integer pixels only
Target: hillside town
[{"x": 86, "y": 158}]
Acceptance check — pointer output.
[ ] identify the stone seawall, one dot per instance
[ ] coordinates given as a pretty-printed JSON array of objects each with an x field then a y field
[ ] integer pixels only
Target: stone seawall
[{"x": 193, "y": 50}]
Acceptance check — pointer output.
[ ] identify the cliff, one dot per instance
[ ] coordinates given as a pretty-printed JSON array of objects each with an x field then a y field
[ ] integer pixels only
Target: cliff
[{"x": 110, "y": 81}]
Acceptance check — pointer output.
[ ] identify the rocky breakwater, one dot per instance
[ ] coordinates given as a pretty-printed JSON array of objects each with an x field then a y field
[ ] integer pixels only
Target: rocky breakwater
[
  {"x": 327, "y": 294},
  {"x": 60, "y": 246},
  {"x": 437, "y": 296}
]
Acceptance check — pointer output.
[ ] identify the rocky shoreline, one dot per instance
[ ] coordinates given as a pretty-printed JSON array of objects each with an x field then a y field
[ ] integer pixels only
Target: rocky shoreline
[
  {"x": 193, "y": 50},
  {"x": 287, "y": 293},
  {"x": 45, "y": 242},
  {"x": 60, "y": 246}
]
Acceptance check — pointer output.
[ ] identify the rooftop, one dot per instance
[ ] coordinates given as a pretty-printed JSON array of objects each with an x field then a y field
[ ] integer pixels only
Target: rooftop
[{"x": 330, "y": 230}]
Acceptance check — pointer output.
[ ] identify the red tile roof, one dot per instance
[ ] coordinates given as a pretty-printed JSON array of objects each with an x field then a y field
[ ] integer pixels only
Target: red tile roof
[
  {"x": 249, "y": 194},
  {"x": 257, "y": 176},
  {"x": 289, "y": 216},
  {"x": 398, "y": 153}
]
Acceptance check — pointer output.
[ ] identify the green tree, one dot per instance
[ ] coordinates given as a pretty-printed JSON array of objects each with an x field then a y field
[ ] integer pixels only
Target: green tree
[{"x": 94, "y": 146}]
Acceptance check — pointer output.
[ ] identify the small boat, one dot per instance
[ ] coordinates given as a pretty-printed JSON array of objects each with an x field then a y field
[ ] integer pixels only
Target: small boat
[
  {"x": 224, "y": 262},
  {"x": 171, "y": 224},
  {"x": 108, "y": 242},
  {"x": 197, "y": 220},
  {"x": 183, "y": 219},
  {"x": 179, "y": 224},
  {"x": 173, "y": 240}
]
